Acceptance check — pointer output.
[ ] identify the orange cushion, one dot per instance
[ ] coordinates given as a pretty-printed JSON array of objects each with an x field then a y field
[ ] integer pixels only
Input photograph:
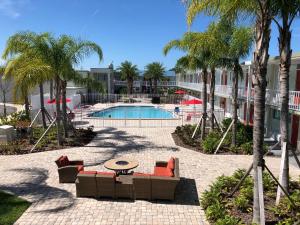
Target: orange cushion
[
  {"x": 80, "y": 168},
  {"x": 163, "y": 171},
  {"x": 100, "y": 172},
  {"x": 88, "y": 172},
  {"x": 171, "y": 163},
  {"x": 106, "y": 173},
  {"x": 142, "y": 174}
]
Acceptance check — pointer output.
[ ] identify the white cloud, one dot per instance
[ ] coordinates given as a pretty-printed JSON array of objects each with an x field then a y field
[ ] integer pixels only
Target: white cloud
[{"x": 12, "y": 8}]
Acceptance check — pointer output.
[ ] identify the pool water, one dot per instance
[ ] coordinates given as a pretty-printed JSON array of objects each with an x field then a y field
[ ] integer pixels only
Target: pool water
[{"x": 133, "y": 112}]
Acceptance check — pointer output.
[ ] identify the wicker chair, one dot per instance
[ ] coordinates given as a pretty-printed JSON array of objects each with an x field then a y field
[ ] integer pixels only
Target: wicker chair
[
  {"x": 68, "y": 170},
  {"x": 124, "y": 187},
  {"x": 106, "y": 184},
  {"x": 142, "y": 186},
  {"x": 86, "y": 184},
  {"x": 163, "y": 187}
]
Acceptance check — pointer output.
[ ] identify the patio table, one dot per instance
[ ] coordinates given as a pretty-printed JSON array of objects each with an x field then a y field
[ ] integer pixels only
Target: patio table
[{"x": 121, "y": 165}]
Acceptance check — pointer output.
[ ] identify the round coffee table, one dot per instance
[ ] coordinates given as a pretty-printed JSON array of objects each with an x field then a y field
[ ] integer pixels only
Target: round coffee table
[{"x": 121, "y": 165}]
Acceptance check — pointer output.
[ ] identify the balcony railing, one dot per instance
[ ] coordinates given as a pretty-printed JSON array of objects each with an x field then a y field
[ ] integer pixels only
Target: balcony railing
[
  {"x": 138, "y": 83},
  {"x": 272, "y": 96}
]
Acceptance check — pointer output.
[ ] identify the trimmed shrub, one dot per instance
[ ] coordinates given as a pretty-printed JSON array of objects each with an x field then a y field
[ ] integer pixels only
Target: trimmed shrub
[{"x": 210, "y": 143}]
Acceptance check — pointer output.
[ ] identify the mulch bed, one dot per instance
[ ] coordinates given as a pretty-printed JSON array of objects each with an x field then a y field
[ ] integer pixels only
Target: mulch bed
[
  {"x": 79, "y": 138},
  {"x": 178, "y": 141}
]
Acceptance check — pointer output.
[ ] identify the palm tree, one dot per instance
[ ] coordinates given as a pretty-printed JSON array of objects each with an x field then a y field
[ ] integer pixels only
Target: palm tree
[
  {"x": 236, "y": 44},
  {"x": 71, "y": 53},
  {"x": 129, "y": 72},
  {"x": 27, "y": 74},
  {"x": 286, "y": 11},
  {"x": 148, "y": 77},
  {"x": 59, "y": 53},
  {"x": 155, "y": 71},
  {"x": 262, "y": 12},
  {"x": 27, "y": 69},
  {"x": 203, "y": 50}
]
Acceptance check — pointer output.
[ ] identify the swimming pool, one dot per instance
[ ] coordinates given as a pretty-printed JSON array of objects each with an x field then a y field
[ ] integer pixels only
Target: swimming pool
[{"x": 133, "y": 112}]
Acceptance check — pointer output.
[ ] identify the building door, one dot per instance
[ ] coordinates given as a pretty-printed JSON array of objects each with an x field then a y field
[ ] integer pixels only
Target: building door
[{"x": 295, "y": 126}]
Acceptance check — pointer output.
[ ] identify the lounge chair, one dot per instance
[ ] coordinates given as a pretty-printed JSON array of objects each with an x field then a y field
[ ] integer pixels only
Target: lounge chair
[{"x": 68, "y": 170}]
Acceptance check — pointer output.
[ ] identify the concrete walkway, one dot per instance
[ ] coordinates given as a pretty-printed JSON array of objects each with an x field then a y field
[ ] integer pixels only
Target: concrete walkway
[{"x": 35, "y": 178}]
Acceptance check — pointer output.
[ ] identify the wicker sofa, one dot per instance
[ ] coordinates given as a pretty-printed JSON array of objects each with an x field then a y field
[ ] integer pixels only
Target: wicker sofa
[
  {"x": 159, "y": 185},
  {"x": 67, "y": 169}
]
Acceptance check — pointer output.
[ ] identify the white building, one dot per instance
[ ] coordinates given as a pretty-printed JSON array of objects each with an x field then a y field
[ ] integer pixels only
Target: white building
[{"x": 223, "y": 95}]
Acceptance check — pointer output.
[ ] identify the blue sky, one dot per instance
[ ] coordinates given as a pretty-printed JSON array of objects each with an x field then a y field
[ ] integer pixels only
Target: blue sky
[{"x": 134, "y": 30}]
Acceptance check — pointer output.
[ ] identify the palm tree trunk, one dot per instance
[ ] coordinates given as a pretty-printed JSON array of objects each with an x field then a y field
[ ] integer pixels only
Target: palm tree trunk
[
  {"x": 64, "y": 107},
  {"x": 26, "y": 102},
  {"x": 150, "y": 82},
  {"x": 212, "y": 97},
  {"x": 261, "y": 56},
  {"x": 235, "y": 106},
  {"x": 285, "y": 63},
  {"x": 58, "y": 116},
  {"x": 130, "y": 87},
  {"x": 51, "y": 89},
  {"x": 204, "y": 103},
  {"x": 4, "y": 104},
  {"x": 42, "y": 105},
  {"x": 155, "y": 86}
]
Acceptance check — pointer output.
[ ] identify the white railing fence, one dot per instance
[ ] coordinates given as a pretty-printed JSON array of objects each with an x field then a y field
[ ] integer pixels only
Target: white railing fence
[{"x": 272, "y": 96}]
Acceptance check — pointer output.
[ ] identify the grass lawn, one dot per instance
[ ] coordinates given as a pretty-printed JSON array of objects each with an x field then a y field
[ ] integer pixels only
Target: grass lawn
[{"x": 11, "y": 208}]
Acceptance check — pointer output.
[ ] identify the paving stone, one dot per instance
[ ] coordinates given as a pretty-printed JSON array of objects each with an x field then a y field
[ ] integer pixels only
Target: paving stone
[{"x": 34, "y": 177}]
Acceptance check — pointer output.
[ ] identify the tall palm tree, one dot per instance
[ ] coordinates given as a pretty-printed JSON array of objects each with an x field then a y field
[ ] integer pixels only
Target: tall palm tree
[
  {"x": 28, "y": 71},
  {"x": 27, "y": 74},
  {"x": 236, "y": 43},
  {"x": 129, "y": 72},
  {"x": 155, "y": 71},
  {"x": 286, "y": 11},
  {"x": 59, "y": 53},
  {"x": 71, "y": 52},
  {"x": 262, "y": 12},
  {"x": 200, "y": 48}
]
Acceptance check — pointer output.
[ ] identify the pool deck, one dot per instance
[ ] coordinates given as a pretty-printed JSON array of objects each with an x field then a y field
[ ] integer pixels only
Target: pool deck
[{"x": 34, "y": 177}]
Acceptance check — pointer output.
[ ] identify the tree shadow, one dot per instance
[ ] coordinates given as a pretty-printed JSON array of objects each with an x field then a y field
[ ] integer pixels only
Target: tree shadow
[
  {"x": 186, "y": 194},
  {"x": 126, "y": 143},
  {"x": 34, "y": 187}
]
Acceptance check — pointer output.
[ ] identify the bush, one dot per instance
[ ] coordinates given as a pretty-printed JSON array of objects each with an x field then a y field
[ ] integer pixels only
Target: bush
[
  {"x": 228, "y": 220},
  {"x": 210, "y": 143},
  {"x": 215, "y": 211},
  {"x": 221, "y": 209},
  {"x": 244, "y": 134},
  {"x": 241, "y": 202},
  {"x": 247, "y": 148}
]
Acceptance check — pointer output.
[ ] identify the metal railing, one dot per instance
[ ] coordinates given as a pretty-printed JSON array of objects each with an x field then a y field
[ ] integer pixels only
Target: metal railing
[
  {"x": 139, "y": 83},
  {"x": 131, "y": 118},
  {"x": 272, "y": 96},
  {"x": 93, "y": 98}
]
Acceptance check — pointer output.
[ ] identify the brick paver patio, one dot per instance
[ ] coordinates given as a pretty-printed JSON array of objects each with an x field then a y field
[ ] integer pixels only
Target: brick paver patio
[{"x": 35, "y": 178}]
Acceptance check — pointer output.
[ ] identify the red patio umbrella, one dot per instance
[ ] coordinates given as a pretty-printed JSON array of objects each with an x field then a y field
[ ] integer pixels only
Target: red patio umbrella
[
  {"x": 54, "y": 101},
  {"x": 192, "y": 102},
  {"x": 180, "y": 92}
]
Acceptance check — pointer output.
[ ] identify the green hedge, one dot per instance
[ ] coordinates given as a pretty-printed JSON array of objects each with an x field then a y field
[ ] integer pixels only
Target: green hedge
[{"x": 219, "y": 207}]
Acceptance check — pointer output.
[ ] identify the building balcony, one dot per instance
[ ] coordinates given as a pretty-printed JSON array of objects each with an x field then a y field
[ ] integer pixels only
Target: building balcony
[{"x": 272, "y": 96}]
